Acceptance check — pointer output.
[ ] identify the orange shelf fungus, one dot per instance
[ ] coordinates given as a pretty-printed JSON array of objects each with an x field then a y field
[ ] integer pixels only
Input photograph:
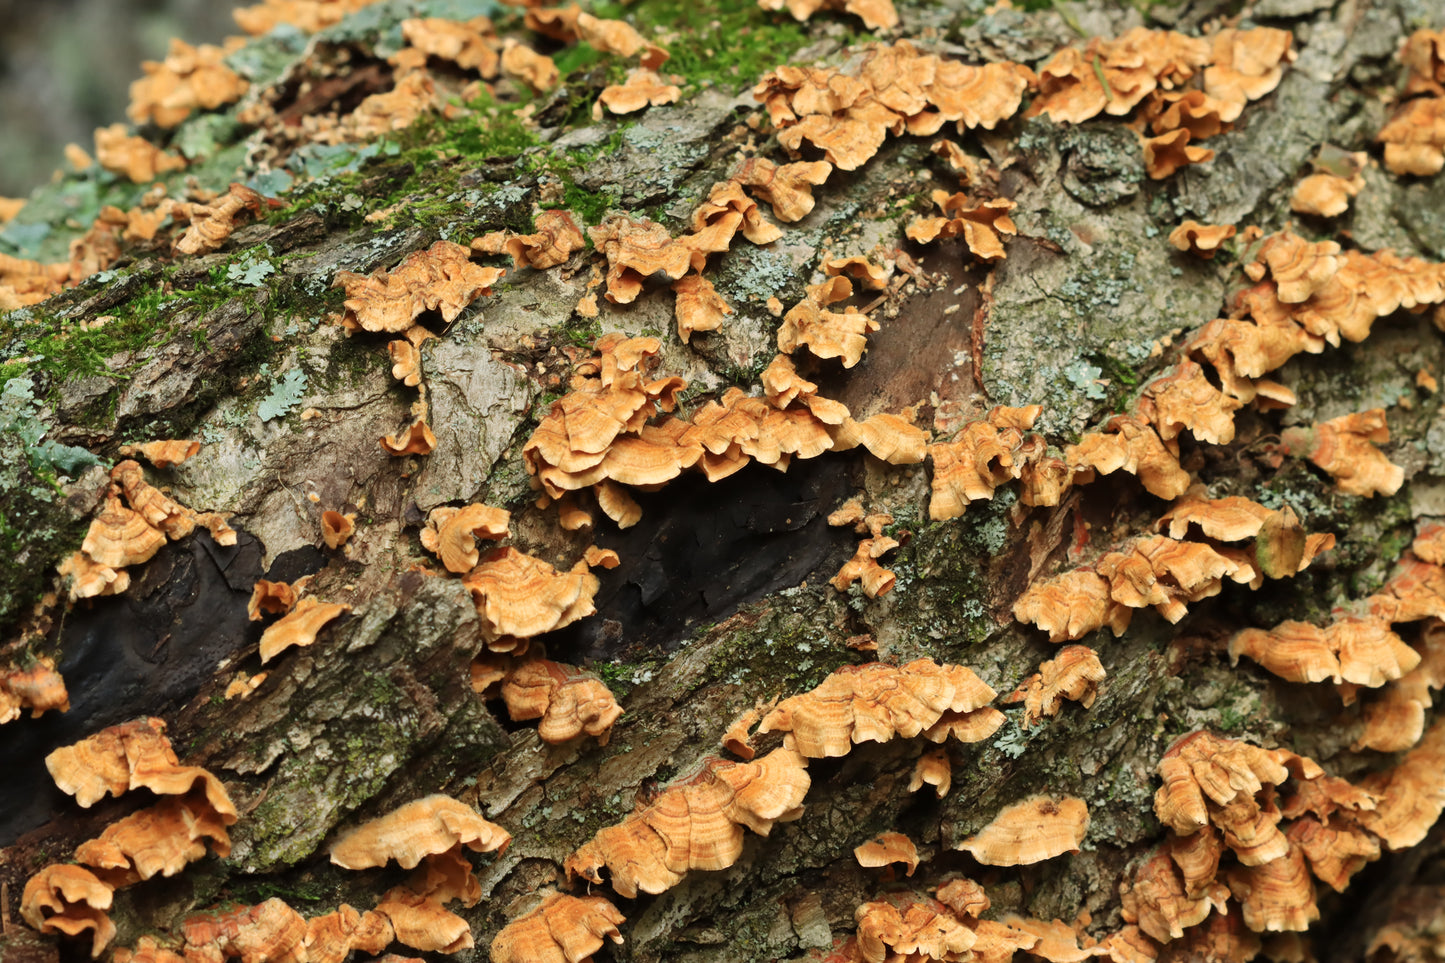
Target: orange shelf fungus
[
  {"x": 1074, "y": 674},
  {"x": 1201, "y": 239},
  {"x": 1203, "y": 765},
  {"x": 567, "y": 701},
  {"x": 874, "y": 703},
  {"x": 211, "y": 224},
  {"x": 1130, "y": 443},
  {"x": 981, "y": 225},
  {"x": 163, "y": 454},
  {"x": 876, "y": 14},
  {"x": 270, "y": 598},
  {"x": 933, "y": 769},
  {"x": 299, "y": 628},
  {"x": 1030, "y": 831},
  {"x": 1344, "y": 448},
  {"x": 1410, "y": 796},
  {"x": 132, "y": 755},
  {"x": 440, "y": 278},
  {"x": 826, "y": 334},
  {"x": 1335, "y": 851},
  {"x": 1184, "y": 400},
  {"x": 964, "y": 898},
  {"x": 135, "y": 157},
  {"x": 886, "y": 850},
  {"x": 330, "y": 938},
  {"x": 1072, "y": 605},
  {"x": 527, "y": 65},
  {"x": 984, "y": 455},
  {"x": 337, "y": 528},
  {"x": 920, "y": 929},
  {"x": 555, "y": 239},
  {"x": 1167, "y": 153},
  {"x": 70, "y": 900},
  {"x": 642, "y": 88},
  {"x": 471, "y": 44},
  {"x": 1276, "y": 896},
  {"x": 563, "y": 927},
  {"x": 1326, "y": 195},
  {"x": 1156, "y": 899},
  {"x": 411, "y": 833},
  {"x": 158, "y": 840},
  {"x": 520, "y": 596},
  {"x": 416, "y": 439},
  {"x": 38, "y": 687},
  {"x": 1246, "y": 65},
  {"x": 699, "y": 306},
  {"x": 636, "y": 250},
  {"x": 267, "y": 931},
  {"x": 1115, "y": 76},
  {"x": 887, "y": 437},
  {"x": 696, "y": 823},
  {"x": 450, "y": 533},
  {"x": 1360, "y": 651},
  {"x": 787, "y": 187},
  {"x": 863, "y": 568}
]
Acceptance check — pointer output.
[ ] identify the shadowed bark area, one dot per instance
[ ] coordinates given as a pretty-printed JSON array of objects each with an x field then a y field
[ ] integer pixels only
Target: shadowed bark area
[{"x": 721, "y": 600}]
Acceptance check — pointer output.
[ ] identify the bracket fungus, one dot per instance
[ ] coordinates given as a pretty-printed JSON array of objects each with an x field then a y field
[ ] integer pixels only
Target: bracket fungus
[
  {"x": 416, "y": 830},
  {"x": 874, "y": 703},
  {"x": 933, "y": 769},
  {"x": 981, "y": 224},
  {"x": 440, "y": 278},
  {"x": 337, "y": 528},
  {"x": 1344, "y": 448},
  {"x": 636, "y": 250},
  {"x": 562, "y": 928},
  {"x": 827, "y": 334},
  {"x": 37, "y": 687},
  {"x": 211, "y": 224},
  {"x": 299, "y": 628},
  {"x": 69, "y": 899},
  {"x": 520, "y": 596},
  {"x": 1030, "y": 831},
  {"x": 1073, "y": 674},
  {"x": 983, "y": 455},
  {"x": 451, "y": 533},
  {"x": 555, "y": 238},
  {"x": 642, "y": 88},
  {"x": 568, "y": 701},
  {"x": 1201, "y": 239},
  {"x": 886, "y": 850},
  {"x": 696, "y": 823}
]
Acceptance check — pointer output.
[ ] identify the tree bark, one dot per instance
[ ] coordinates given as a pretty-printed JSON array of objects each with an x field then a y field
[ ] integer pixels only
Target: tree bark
[{"x": 721, "y": 600}]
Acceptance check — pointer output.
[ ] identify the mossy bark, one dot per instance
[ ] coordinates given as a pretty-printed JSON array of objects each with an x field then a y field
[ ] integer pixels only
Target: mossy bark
[{"x": 721, "y": 600}]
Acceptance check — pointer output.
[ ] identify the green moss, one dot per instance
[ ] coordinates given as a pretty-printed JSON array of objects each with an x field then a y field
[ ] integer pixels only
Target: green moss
[{"x": 727, "y": 43}]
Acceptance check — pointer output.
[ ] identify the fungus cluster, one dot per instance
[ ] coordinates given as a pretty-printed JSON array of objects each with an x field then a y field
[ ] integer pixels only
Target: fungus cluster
[
  {"x": 863, "y": 567},
  {"x": 950, "y": 928},
  {"x": 696, "y": 823},
  {"x": 1030, "y": 831},
  {"x": 1359, "y": 648},
  {"x": 136, "y": 521},
  {"x": 190, "y": 78},
  {"x": 981, "y": 224},
  {"x": 1152, "y": 68},
  {"x": 1168, "y": 572},
  {"x": 1251, "y": 826},
  {"x": 568, "y": 701},
  {"x": 161, "y": 839},
  {"x": 562, "y": 927},
  {"x": 427, "y": 836},
  {"x": 37, "y": 687},
  {"x": 1414, "y": 137},
  {"x": 876, "y": 702},
  {"x": 986, "y": 453},
  {"x": 1074, "y": 675}
]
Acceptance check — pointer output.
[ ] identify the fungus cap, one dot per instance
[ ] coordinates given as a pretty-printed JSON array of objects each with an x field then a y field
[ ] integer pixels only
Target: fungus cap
[
  {"x": 1030, "y": 831},
  {"x": 410, "y": 833}
]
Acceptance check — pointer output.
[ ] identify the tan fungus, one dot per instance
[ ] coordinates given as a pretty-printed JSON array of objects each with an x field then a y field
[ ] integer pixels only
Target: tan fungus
[
  {"x": 68, "y": 899},
  {"x": 451, "y": 533},
  {"x": 520, "y": 596},
  {"x": 135, "y": 157},
  {"x": 562, "y": 927},
  {"x": 163, "y": 454},
  {"x": 1074, "y": 674},
  {"x": 336, "y": 528},
  {"x": 440, "y": 278},
  {"x": 1030, "y": 831},
  {"x": 567, "y": 701},
  {"x": 887, "y": 849},
  {"x": 1344, "y": 448},
  {"x": 1202, "y": 239},
  {"x": 416, "y": 830},
  {"x": 934, "y": 769},
  {"x": 300, "y": 627},
  {"x": 270, "y": 598},
  {"x": 642, "y": 88}
]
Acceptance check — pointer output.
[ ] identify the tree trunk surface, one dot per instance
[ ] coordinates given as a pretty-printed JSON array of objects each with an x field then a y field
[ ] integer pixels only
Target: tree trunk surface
[{"x": 722, "y": 599}]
